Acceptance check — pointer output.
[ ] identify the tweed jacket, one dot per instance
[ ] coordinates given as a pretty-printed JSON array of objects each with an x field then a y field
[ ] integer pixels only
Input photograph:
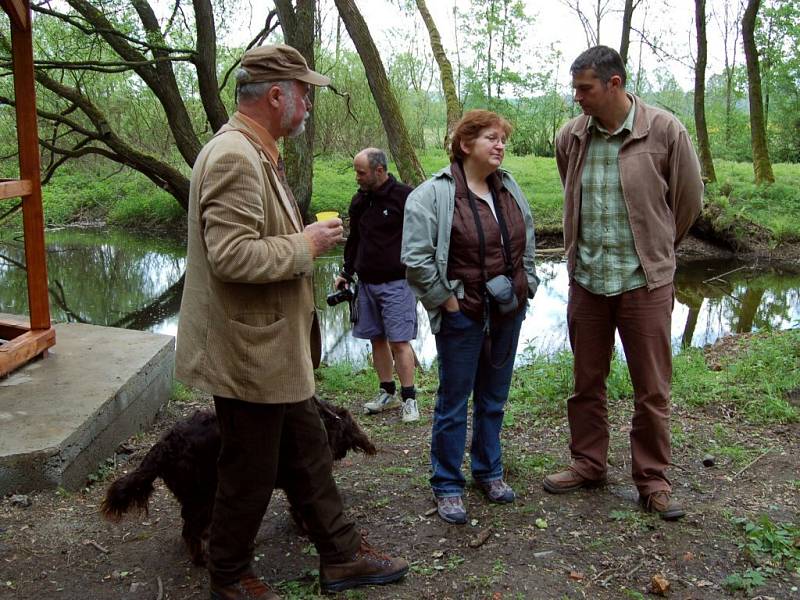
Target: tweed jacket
[
  {"x": 247, "y": 311},
  {"x": 661, "y": 184}
]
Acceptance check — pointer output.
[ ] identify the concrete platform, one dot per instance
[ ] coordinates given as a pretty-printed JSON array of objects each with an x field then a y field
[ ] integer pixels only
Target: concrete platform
[{"x": 61, "y": 416}]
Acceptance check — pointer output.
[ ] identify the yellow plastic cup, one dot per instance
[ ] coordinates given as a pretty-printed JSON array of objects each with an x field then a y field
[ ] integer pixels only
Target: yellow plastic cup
[{"x": 327, "y": 215}]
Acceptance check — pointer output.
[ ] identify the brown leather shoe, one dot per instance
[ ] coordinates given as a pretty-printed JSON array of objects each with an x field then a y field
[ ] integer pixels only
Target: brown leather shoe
[
  {"x": 661, "y": 502},
  {"x": 249, "y": 587},
  {"x": 367, "y": 567},
  {"x": 569, "y": 480}
]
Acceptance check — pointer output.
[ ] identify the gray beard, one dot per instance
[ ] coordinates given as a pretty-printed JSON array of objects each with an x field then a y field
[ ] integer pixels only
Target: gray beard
[{"x": 297, "y": 131}]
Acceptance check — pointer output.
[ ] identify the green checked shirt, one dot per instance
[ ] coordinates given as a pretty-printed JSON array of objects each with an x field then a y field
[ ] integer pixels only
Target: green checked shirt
[{"x": 606, "y": 259}]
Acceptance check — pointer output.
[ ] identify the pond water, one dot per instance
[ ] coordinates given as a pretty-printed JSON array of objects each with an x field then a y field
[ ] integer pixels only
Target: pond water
[{"x": 120, "y": 280}]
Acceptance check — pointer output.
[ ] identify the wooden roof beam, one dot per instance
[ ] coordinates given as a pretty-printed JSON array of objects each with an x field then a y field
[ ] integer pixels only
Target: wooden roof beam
[{"x": 18, "y": 12}]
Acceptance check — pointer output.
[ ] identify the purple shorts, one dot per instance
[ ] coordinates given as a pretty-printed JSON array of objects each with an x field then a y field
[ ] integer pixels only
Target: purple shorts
[{"x": 386, "y": 310}]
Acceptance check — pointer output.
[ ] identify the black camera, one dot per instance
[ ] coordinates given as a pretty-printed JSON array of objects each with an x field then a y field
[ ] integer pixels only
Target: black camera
[{"x": 339, "y": 296}]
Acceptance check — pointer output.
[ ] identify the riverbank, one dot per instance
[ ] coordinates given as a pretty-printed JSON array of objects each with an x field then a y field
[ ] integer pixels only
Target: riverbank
[
  {"x": 739, "y": 218},
  {"x": 736, "y": 458}
]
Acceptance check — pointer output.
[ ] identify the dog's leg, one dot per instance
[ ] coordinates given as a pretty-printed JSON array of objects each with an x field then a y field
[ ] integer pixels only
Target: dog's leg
[{"x": 196, "y": 521}]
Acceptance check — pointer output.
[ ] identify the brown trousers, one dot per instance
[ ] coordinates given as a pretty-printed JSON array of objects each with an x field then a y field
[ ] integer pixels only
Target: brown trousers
[
  {"x": 260, "y": 443},
  {"x": 643, "y": 319}
]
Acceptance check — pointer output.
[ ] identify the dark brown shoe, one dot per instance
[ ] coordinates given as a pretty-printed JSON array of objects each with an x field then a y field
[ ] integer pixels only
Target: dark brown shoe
[
  {"x": 569, "y": 480},
  {"x": 661, "y": 502},
  {"x": 367, "y": 567},
  {"x": 249, "y": 587}
]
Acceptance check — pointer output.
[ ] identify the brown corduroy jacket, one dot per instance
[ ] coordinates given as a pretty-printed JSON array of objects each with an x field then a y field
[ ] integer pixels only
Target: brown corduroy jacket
[
  {"x": 661, "y": 184},
  {"x": 248, "y": 307}
]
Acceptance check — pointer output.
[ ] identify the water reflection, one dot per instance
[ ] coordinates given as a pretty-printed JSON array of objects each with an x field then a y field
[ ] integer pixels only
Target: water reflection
[
  {"x": 102, "y": 278},
  {"x": 120, "y": 280}
]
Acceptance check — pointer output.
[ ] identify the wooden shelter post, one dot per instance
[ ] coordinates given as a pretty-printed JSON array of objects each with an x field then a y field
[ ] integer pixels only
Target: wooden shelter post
[{"x": 24, "y": 342}]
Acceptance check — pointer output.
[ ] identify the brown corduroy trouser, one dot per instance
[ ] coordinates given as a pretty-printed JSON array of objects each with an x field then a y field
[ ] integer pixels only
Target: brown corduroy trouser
[
  {"x": 261, "y": 442},
  {"x": 643, "y": 319}
]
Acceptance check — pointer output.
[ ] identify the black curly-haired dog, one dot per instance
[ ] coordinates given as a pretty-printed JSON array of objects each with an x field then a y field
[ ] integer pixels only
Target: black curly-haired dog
[{"x": 186, "y": 460}]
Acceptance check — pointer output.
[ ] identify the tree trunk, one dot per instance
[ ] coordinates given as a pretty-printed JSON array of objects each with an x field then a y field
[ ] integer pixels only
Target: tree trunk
[
  {"x": 729, "y": 27},
  {"x": 627, "y": 19},
  {"x": 762, "y": 167},
  {"x": 748, "y": 309},
  {"x": 704, "y": 146},
  {"x": 445, "y": 71},
  {"x": 206, "y": 64},
  {"x": 408, "y": 166},
  {"x": 298, "y": 31}
]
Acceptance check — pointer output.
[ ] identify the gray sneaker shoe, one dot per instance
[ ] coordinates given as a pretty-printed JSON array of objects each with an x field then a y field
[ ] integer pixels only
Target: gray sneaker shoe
[
  {"x": 497, "y": 491},
  {"x": 451, "y": 509},
  {"x": 410, "y": 411},
  {"x": 382, "y": 402}
]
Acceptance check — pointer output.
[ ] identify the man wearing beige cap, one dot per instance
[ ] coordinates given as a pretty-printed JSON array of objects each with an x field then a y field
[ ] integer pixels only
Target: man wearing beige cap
[{"x": 247, "y": 319}]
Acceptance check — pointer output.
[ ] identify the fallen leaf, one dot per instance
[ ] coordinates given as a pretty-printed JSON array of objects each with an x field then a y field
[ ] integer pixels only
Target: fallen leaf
[
  {"x": 480, "y": 539},
  {"x": 497, "y": 596},
  {"x": 577, "y": 575},
  {"x": 659, "y": 584},
  {"x": 540, "y": 523},
  {"x": 688, "y": 556}
]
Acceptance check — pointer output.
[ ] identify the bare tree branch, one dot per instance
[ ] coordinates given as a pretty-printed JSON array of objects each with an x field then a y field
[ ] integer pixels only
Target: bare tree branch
[
  {"x": 270, "y": 25},
  {"x": 88, "y": 29}
]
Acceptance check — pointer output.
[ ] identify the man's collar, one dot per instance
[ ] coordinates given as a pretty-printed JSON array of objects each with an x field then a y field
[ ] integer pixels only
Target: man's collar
[
  {"x": 382, "y": 187},
  {"x": 627, "y": 124},
  {"x": 264, "y": 136}
]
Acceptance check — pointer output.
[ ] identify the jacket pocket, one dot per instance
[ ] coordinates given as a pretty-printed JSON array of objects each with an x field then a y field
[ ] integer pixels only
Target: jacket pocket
[
  {"x": 251, "y": 348},
  {"x": 455, "y": 322}
]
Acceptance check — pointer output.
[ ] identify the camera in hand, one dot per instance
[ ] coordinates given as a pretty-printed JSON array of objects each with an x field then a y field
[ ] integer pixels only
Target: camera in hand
[{"x": 339, "y": 296}]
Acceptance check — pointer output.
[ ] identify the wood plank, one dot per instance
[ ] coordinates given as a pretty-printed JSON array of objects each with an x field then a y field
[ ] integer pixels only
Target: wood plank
[
  {"x": 28, "y": 143},
  {"x": 18, "y": 12},
  {"x": 24, "y": 348},
  {"x": 9, "y": 331},
  {"x": 14, "y": 188}
]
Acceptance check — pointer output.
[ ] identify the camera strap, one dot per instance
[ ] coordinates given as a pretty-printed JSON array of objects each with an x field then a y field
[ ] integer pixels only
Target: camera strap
[{"x": 501, "y": 221}]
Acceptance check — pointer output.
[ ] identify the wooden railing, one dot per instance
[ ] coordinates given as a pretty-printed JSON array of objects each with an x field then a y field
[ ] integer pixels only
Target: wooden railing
[{"x": 22, "y": 341}]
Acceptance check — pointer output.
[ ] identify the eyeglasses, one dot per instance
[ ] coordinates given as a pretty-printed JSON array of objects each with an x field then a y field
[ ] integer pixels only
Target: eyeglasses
[{"x": 495, "y": 140}]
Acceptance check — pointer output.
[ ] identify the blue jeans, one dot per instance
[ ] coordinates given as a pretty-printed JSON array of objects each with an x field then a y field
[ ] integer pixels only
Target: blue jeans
[{"x": 465, "y": 368}]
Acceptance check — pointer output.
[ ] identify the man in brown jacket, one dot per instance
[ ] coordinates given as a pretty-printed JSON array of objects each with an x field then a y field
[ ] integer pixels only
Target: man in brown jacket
[
  {"x": 632, "y": 189},
  {"x": 247, "y": 316}
]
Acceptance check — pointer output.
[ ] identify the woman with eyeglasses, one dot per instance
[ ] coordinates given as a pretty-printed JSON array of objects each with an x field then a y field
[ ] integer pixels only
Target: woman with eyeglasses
[{"x": 468, "y": 247}]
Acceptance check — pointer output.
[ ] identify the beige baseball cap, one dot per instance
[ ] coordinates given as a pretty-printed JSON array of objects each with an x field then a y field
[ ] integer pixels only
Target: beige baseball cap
[{"x": 279, "y": 62}]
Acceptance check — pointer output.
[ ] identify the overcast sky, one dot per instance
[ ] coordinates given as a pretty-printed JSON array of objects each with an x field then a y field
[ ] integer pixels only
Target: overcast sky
[{"x": 671, "y": 22}]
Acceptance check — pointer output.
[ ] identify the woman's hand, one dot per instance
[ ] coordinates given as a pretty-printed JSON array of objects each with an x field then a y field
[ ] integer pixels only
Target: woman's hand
[{"x": 451, "y": 305}]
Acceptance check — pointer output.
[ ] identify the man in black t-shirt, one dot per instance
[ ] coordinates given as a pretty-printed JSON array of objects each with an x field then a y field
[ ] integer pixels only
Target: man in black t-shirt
[{"x": 387, "y": 313}]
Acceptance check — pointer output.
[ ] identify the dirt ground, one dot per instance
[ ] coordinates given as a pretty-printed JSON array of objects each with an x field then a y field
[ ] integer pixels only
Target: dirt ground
[{"x": 591, "y": 544}]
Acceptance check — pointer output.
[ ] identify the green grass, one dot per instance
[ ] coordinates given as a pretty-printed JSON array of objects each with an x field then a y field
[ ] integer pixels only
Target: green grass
[
  {"x": 754, "y": 382},
  {"x": 127, "y": 200},
  {"x": 771, "y": 547},
  {"x": 773, "y": 206},
  {"x": 334, "y": 184}
]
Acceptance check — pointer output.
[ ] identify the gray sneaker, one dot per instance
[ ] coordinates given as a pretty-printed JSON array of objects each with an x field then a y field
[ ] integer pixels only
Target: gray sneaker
[
  {"x": 497, "y": 491},
  {"x": 451, "y": 509},
  {"x": 410, "y": 411},
  {"x": 382, "y": 402}
]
